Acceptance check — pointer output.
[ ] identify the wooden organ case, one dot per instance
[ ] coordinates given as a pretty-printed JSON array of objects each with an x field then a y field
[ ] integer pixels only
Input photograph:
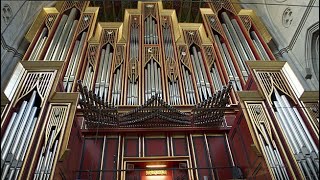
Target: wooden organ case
[{"x": 151, "y": 97}]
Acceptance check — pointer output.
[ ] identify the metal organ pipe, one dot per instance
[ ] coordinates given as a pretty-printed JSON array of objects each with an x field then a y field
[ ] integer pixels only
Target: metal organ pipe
[
  {"x": 132, "y": 96},
  {"x": 239, "y": 59},
  {"x": 232, "y": 68},
  {"x": 39, "y": 45},
  {"x": 259, "y": 45},
  {"x": 228, "y": 64},
  {"x": 74, "y": 62},
  {"x": 189, "y": 88},
  {"x": 174, "y": 92},
  {"x": 151, "y": 35},
  {"x": 153, "y": 79},
  {"x": 305, "y": 150},
  {"x": 64, "y": 35},
  {"x": 47, "y": 156},
  {"x": 272, "y": 153},
  {"x": 62, "y": 38},
  {"x": 55, "y": 38},
  {"x": 16, "y": 138},
  {"x": 243, "y": 39}
]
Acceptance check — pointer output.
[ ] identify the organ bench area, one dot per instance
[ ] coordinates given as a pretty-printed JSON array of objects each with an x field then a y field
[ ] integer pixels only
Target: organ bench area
[{"x": 152, "y": 98}]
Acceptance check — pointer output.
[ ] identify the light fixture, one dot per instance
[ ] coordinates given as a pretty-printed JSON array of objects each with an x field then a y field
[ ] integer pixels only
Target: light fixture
[{"x": 156, "y": 166}]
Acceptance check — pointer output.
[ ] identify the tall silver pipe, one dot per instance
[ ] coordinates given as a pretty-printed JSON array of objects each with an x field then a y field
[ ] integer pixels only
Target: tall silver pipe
[
  {"x": 153, "y": 90},
  {"x": 72, "y": 61},
  {"x": 196, "y": 73},
  {"x": 186, "y": 85},
  {"x": 25, "y": 146},
  {"x": 146, "y": 84},
  {"x": 272, "y": 153},
  {"x": 6, "y": 133},
  {"x": 233, "y": 70},
  {"x": 243, "y": 39},
  {"x": 115, "y": 85},
  {"x": 303, "y": 138},
  {"x": 156, "y": 78},
  {"x": 292, "y": 124},
  {"x": 260, "y": 46},
  {"x": 197, "y": 68},
  {"x": 30, "y": 115},
  {"x": 156, "y": 33},
  {"x": 148, "y": 30},
  {"x": 39, "y": 49},
  {"x": 69, "y": 40},
  {"x": 204, "y": 73},
  {"x": 9, "y": 133},
  {"x": 136, "y": 92},
  {"x": 16, "y": 128},
  {"x": 104, "y": 71},
  {"x": 193, "y": 95},
  {"x": 239, "y": 59},
  {"x": 37, "y": 45},
  {"x": 119, "y": 85},
  {"x": 129, "y": 93},
  {"x": 258, "y": 49},
  {"x": 149, "y": 80},
  {"x": 76, "y": 61},
  {"x": 53, "y": 157},
  {"x": 152, "y": 31},
  {"x": 159, "y": 82},
  {"x": 225, "y": 62},
  {"x": 234, "y": 36},
  {"x": 22, "y": 138},
  {"x": 55, "y": 38},
  {"x": 281, "y": 118},
  {"x": 97, "y": 85},
  {"x": 62, "y": 39},
  {"x": 107, "y": 80}
]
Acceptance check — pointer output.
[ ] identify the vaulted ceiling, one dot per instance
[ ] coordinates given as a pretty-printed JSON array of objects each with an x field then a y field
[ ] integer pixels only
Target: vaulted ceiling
[{"x": 113, "y": 10}]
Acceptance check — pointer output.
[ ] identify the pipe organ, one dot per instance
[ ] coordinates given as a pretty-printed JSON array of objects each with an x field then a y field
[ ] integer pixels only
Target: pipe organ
[{"x": 153, "y": 96}]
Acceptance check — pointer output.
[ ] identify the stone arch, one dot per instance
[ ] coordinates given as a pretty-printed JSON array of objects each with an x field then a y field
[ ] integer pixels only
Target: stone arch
[{"x": 312, "y": 52}]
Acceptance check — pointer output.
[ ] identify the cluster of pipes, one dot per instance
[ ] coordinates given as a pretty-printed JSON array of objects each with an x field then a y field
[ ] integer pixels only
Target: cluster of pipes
[
  {"x": 191, "y": 99},
  {"x": 215, "y": 76},
  {"x": 16, "y": 138},
  {"x": 174, "y": 92},
  {"x": 34, "y": 56},
  {"x": 88, "y": 76},
  {"x": 272, "y": 153},
  {"x": 102, "y": 82},
  {"x": 152, "y": 79},
  {"x": 202, "y": 81},
  {"x": 301, "y": 142},
  {"x": 62, "y": 38},
  {"x": 150, "y": 31},
  {"x": 116, "y": 89},
  {"x": 47, "y": 155},
  {"x": 132, "y": 98}
]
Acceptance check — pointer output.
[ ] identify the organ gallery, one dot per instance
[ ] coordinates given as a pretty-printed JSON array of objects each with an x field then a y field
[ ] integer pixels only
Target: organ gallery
[{"x": 154, "y": 98}]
